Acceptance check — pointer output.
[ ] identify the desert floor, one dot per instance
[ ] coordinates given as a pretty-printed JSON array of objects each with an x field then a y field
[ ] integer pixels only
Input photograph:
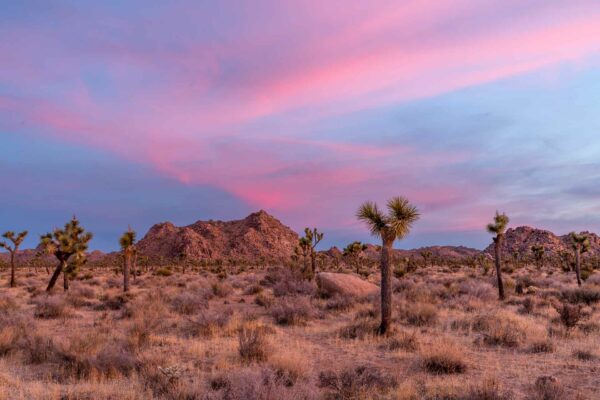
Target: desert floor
[{"x": 265, "y": 334}]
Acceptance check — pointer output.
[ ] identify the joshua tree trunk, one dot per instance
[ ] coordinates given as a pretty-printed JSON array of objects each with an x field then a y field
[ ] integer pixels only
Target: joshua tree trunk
[
  {"x": 134, "y": 266},
  {"x": 12, "y": 269},
  {"x": 126, "y": 272},
  {"x": 386, "y": 287},
  {"x": 497, "y": 243},
  {"x": 61, "y": 265},
  {"x": 313, "y": 263},
  {"x": 578, "y": 265},
  {"x": 66, "y": 279}
]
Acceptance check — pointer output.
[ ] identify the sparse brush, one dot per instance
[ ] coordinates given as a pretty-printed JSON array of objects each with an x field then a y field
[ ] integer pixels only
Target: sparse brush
[
  {"x": 295, "y": 311},
  {"x": 253, "y": 345},
  {"x": 444, "y": 358}
]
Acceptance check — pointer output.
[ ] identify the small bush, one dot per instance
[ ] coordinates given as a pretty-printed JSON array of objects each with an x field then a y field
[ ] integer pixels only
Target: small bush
[
  {"x": 163, "y": 272},
  {"x": 419, "y": 314},
  {"x": 402, "y": 341},
  {"x": 569, "y": 315},
  {"x": 359, "y": 329},
  {"x": 186, "y": 303},
  {"x": 581, "y": 296},
  {"x": 253, "y": 289},
  {"x": 339, "y": 303},
  {"x": 253, "y": 345},
  {"x": 50, "y": 307},
  {"x": 542, "y": 346},
  {"x": 221, "y": 289},
  {"x": 206, "y": 324},
  {"x": 294, "y": 311},
  {"x": 499, "y": 330},
  {"x": 356, "y": 383},
  {"x": 584, "y": 355},
  {"x": 547, "y": 388},
  {"x": 264, "y": 300},
  {"x": 444, "y": 359}
]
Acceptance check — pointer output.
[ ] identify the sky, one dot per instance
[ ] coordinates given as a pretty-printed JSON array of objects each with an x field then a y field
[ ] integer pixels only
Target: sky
[{"x": 130, "y": 113}]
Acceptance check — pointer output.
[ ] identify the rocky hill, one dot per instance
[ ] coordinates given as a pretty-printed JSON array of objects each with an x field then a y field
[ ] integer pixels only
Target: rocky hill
[
  {"x": 259, "y": 236},
  {"x": 521, "y": 239}
]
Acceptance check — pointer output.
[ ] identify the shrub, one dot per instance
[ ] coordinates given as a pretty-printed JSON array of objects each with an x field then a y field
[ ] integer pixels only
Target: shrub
[
  {"x": 293, "y": 287},
  {"x": 584, "y": 355},
  {"x": 253, "y": 289},
  {"x": 499, "y": 329},
  {"x": 359, "y": 329},
  {"x": 402, "y": 341},
  {"x": 542, "y": 346},
  {"x": 419, "y": 314},
  {"x": 547, "y": 388},
  {"x": 163, "y": 272},
  {"x": 527, "y": 306},
  {"x": 50, "y": 307},
  {"x": 569, "y": 315},
  {"x": 294, "y": 311},
  {"x": 339, "y": 303},
  {"x": 114, "y": 302},
  {"x": 444, "y": 358},
  {"x": 187, "y": 303},
  {"x": 356, "y": 383},
  {"x": 253, "y": 345},
  {"x": 264, "y": 300},
  {"x": 581, "y": 296},
  {"x": 221, "y": 289},
  {"x": 206, "y": 324},
  {"x": 37, "y": 348}
]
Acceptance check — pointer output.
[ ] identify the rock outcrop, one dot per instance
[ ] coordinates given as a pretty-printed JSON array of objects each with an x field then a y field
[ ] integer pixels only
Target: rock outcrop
[
  {"x": 257, "y": 237},
  {"x": 332, "y": 283}
]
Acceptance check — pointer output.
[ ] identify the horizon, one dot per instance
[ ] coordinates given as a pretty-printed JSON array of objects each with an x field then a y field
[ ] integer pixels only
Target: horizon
[{"x": 131, "y": 114}]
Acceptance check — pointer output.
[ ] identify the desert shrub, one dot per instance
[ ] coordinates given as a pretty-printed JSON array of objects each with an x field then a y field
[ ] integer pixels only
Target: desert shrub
[
  {"x": 80, "y": 296},
  {"x": 527, "y": 306},
  {"x": 253, "y": 345},
  {"x": 584, "y": 355},
  {"x": 253, "y": 289},
  {"x": 499, "y": 329},
  {"x": 444, "y": 358},
  {"x": 294, "y": 311},
  {"x": 356, "y": 383},
  {"x": 339, "y": 303},
  {"x": 8, "y": 305},
  {"x": 589, "y": 327},
  {"x": 581, "y": 296},
  {"x": 542, "y": 346},
  {"x": 206, "y": 324},
  {"x": 113, "y": 302},
  {"x": 50, "y": 307},
  {"x": 359, "y": 329},
  {"x": 569, "y": 315},
  {"x": 402, "y": 341},
  {"x": 163, "y": 271},
  {"x": 290, "y": 366},
  {"x": 419, "y": 314},
  {"x": 264, "y": 300},
  {"x": 186, "y": 303},
  {"x": 547, "y": 388},
  {"x": 293, "y": 287},
  {"x": 221, "y": 289},
  {"x": 477, "y": 289},
  {"x": 37, "y": 348}
]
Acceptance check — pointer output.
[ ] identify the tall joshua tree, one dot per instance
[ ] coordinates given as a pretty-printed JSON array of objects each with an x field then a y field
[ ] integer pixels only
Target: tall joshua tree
[
  {"x": 395, "y": 224},
  {"x": 127, "y": 243},
  {"x": 498, "y": 228},
  {"x": 310, "y": 240},
  {"x": 16, "y": 240},
  {"x": 538, "y": 254},
  {"x": 353, "y": 251},
  {"x": 69, "y": 243},
  {"x": 581, "y": 244}
]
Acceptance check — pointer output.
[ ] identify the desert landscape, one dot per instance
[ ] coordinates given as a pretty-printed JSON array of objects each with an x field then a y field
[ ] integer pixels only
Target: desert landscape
[{"x": 225, "y": 310}]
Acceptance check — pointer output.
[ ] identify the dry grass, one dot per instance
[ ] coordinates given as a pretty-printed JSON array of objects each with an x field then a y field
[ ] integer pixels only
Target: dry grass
[{"x": 270, "y": 335}]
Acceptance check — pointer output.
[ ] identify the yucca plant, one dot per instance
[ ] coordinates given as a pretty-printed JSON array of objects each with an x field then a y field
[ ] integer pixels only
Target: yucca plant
[
  {"x": 308, "y": 243},
  {"x": 498, "y": 228},
  {"x": 580, "y": 245},
  {"x": 16, "y": 240},
  {"x": 354, "y": 251},
  {"x": 127, "y": 243},
  {"x": 538, "y": 251},
  {"x": 395, "y": 224},
  {"x": 69, "y": 246}
]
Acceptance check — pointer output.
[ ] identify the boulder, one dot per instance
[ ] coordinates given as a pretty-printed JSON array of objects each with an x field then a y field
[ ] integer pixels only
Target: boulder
[{"x": 332, "y": 283}]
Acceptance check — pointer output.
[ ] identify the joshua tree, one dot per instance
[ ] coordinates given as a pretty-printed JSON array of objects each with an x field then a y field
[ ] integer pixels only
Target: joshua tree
[
  {"x": 426, "y": 254},
  {"x": 303, "y": 249},
  {"x": 127, "y": 243},
  {"x": 71, "y": 241},
  {"x": 498, "y": 228},
  {"x": 16, "y": 242},
  {"x": 396, "y": 224},
  {"x": 581, "y": 244},
  {"x": 538, "y": 254},
  {"x": 308, "y": 243},
  {"x": 354, "y": 251}
]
